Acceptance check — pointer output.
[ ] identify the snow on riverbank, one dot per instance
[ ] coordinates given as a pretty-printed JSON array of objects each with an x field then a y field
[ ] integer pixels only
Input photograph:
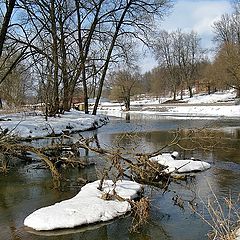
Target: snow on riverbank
[
  {"x": 180, "y": 166},
  {"x": 217, "y": 105},
  {"x": 224, "y": 96},
  {"x": 24, "y": 125},
  {"x": 86, "y": 207},
  {"x": 231, "y": 111},
  {"x": 180, "y": 111}
]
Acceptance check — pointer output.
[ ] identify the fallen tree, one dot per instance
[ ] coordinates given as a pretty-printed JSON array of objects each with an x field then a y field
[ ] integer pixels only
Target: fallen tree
[{"x": 126, "y": 164}]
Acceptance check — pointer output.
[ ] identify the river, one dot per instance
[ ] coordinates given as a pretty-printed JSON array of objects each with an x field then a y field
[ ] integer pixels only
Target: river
[{"x": 26, "y": 188}]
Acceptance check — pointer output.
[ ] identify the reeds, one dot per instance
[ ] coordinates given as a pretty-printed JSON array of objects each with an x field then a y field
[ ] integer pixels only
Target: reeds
[
  {"x": 4, "y": 168},
  {"x": 141, "y": 210},
  {"x": 223, "y": 217}
]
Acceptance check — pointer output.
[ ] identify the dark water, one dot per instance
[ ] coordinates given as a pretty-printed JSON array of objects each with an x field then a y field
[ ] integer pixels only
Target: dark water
[{"x": 24, "y": 189}]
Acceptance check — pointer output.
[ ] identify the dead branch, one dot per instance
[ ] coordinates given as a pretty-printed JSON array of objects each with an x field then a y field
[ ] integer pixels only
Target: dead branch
[
  {"x": 141, "y": 210},
  {"x": 134, "y": 166}
]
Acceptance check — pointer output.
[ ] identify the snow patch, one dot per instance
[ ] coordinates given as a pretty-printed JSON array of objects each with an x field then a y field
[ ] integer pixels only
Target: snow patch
[
  {"x": 26, "y": 125},
  {"x": 216, "y": 105},
  {"x": 238, "y": 234},
  {"x": 180, "y": 166},
  {"x": 86, "y": 207}
]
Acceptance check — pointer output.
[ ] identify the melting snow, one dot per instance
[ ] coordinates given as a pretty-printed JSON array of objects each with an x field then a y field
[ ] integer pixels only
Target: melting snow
[
  {"x": 199, "y": 106},
  {"x": 25, "y": 125},
  {"x": 180, "y": 166},
  {"x": 86, "y": 207}
]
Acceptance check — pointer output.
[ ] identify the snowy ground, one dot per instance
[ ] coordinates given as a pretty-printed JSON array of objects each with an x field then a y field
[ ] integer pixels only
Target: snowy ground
[
  {"x": 225, "y": 96},
  {"x": 219, "y": 104},
  {"x": 88, "y": 206},
  {"x": 34, "y": 124},
  {"x": 200, "y": 106}
]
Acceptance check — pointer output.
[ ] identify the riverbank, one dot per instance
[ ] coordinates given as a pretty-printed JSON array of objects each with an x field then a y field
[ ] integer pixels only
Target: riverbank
[
  {"x": 179, "y": 111},
  {"x": 217, "y": 105},
  {"x": 34, "y": 125}
]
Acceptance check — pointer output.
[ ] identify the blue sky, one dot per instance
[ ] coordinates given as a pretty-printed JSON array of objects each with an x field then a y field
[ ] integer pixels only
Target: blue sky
[{"x": 197, "y": 15}]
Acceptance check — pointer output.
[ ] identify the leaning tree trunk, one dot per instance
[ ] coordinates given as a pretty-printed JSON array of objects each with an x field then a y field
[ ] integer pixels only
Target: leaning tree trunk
[
  {"x": 108, "y": 58},
  {"x": 5, "y": 23},
  {"x": 84, "y": 50}
]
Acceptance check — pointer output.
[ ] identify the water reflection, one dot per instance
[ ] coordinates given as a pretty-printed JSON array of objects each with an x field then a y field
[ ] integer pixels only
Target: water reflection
[{"x": 25, "y": 189}]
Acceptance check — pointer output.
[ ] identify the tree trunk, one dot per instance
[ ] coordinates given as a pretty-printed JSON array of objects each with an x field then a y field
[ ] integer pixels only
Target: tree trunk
[
  {"x": 99, "y": 93},
  {"x": 127, "y": 103},
  {"x": 238, "y": 92},
  {"x": 55, "y": 101},
  {"x": 190, "y": 91},
  {"x": 174, "y": 94},
  {"x": 5, "y": 23},
  {"x": 66, "y": 98},
  {"x": 85, "y": 90},
  {"x": 66, "y": 104},
  {"x": 84, "y": 50},
  {"x": 209, "y": 89}
]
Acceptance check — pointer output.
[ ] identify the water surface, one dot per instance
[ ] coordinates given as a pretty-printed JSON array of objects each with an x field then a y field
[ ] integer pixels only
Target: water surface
[{"x": 25, "y": 189}]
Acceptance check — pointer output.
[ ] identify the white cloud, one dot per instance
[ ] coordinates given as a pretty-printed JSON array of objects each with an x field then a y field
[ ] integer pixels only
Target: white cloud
[
  {"x": 207, "y": 13},
  {"x": 198, "y": 15},
  {"x": 188, "y": 15}
]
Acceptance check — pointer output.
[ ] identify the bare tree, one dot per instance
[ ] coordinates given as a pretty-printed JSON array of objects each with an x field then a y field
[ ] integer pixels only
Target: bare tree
[
  {"x": 4, "y": 29},
  {"x": 164, "y": 52},
  {"x": 16, "y": 94},
  {"x": 78, "y": 41},
  {"x": 155, "y": 82},
  {"x": 180, "y": 54},
  {"x": 189, "y": 55},
  {"x": 132, "y": 19},
  {"x": 50, "y": 22},
  {"x": 124, "y": 85},
  {"x": 227, "y": 35}
]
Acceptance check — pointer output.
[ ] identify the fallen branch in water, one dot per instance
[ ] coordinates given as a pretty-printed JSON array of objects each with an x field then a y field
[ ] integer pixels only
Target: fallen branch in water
[{"x": 134, "y": 166}]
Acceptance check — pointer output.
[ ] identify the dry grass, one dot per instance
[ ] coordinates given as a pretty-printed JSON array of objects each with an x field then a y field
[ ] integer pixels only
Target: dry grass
[
  {"x": 4, "y": 167},
  {"x": 140, "y": 211},
  {"x": 224, "y": 217},
  {"x": 9, "y": 110}
]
